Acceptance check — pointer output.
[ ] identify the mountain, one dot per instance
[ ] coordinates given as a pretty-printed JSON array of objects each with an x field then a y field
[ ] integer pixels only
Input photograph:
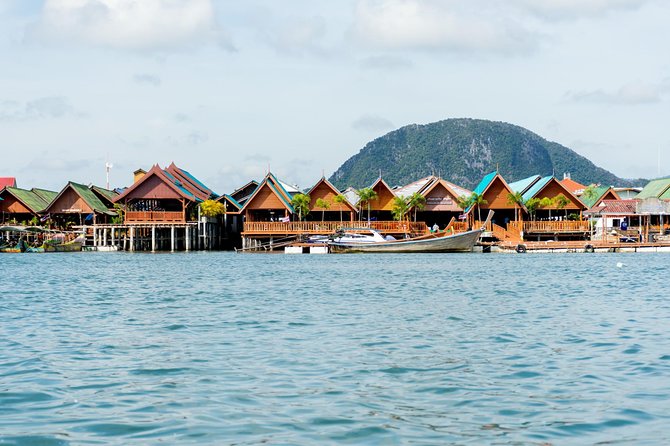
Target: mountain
[{"x": 463, "y": 151}]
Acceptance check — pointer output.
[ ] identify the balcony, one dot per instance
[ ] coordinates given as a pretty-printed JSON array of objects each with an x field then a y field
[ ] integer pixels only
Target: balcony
[
  {"x": 329, "y": 227},
  {"x": 154, "y": 217}
]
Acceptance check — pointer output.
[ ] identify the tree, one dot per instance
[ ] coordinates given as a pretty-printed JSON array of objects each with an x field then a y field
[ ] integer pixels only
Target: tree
[
  {"x": 417, "y": 202},
  {"x": 515, "y": 198},
  {"x": 366, "y": 195},
  {"x": 590, "y": 192},
  {"x": 532, "y": 204},
  {"x": 400, "y": 208},
  {"x": 340, "y": 200},
  {"x": 478, "y": 200},
  {"x": 300, "y": 203},
  {"x": 464, "y": 202},
  {"x": 546, "y": 202},
  {"x": 324, "y": 205},
  {"x": 211, "y": 208},
  {"x": 561, "y": 202}
]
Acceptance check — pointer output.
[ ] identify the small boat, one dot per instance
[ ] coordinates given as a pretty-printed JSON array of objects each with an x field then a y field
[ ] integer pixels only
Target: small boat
[{"x": 373, "y": 241}]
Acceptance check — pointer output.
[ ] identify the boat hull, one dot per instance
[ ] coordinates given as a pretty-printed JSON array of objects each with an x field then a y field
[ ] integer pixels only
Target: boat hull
[{"x": 463, "y": 242}]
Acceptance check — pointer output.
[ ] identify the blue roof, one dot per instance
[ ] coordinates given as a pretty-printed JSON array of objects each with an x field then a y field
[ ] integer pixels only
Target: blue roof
[
  {"x": 197, "y": 181},
  {"x": 281, "y": 197},
  {"x": 523, "y": 185},
  {"x": 484, "y": 183},
  {"x": 232, "y": 200},
  {"x": 530, "y": 193},
  {"x": 178, "y": 184}
]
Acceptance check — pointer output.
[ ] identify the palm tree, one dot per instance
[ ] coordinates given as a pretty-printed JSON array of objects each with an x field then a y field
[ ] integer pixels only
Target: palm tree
[
  {"x": 400, "y": 208},
  {"x": 546, "y": 202},
  {"x": 561, "y": 202},
  {"x": 515, "y": 198},
  {"x": 366, "y": 195},
  {"x": 417, "y": 202},
  {"x": 324, "y": 205},
  {"x": 300, "y": 203},
  {"x": 340, "y": 200},
  {"x": 532, "y": 205},
  {"x": 478, "y": 200},
  {"x": 464, "y": 202}
]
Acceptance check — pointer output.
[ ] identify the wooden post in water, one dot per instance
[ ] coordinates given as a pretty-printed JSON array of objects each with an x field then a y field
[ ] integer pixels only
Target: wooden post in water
[
  {"x": 132, "y": 239},
  {"x": 172, "y": 238},
  {"x": 187, "y": 238},
  {"x": 153, "y": 238}
]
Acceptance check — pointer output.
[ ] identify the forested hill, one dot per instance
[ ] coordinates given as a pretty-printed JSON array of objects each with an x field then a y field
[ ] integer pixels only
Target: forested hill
[{"x": 463, "y": 151}]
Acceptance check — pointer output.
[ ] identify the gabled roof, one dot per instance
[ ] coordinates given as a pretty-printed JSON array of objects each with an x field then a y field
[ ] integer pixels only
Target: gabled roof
[
  {"x": 614, "y": 207},
  {"x": 535, "y": 189},
  {"x": 166, "y": 177},
  {"x": 452, "y": 188},
  {"x": 416, "y": 186},
  {"x": 573, "y": 186},
  {"x": 485, "y": 183},
  {"x": 598, "y": 192},
  {"x": 7, "y": 182},
  {"x": 335, "y": 191},
  {"x": 522, "y": 186},
  {"x": 196, "y": 187},
  {"x": 28, "y": 198},
  {"x": 352, "y": 196},
  {"x": 45, "y": 194},
  {"x": 108, "y": 194},
  {"x": 85, "y": 194},
  {"x": 655, "y": 189},
  {"x": 241, "y": 198},
  {"x": 231, "y": 200},
  {"x": 277, "y": 188},
  {"x": 380, "y": 181}
]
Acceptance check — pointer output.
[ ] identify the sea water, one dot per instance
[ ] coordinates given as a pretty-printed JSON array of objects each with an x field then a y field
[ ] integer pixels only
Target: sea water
[{"x": 224, "y": 348}]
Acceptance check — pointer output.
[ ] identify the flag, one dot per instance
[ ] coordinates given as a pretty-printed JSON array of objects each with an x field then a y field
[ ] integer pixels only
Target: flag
[
  {"x": 285, "y": 219},
  {"x": 45, "y": 217},
  {"x": 462, "y": 217}
]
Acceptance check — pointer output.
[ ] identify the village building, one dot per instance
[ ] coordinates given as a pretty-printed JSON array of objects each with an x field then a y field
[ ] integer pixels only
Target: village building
[
  {"x": 336, "y": 210},
  {"x": 242, "y": 194},
  {"x": 441, "y": 200},
  {"x": 615, "y": 220},
  {"x": 573, "y": 186},
  {"x": 20, "y": 206},
  {"x": 7, "y": 182},
  {"x": 594, "y": 195},
  {"x": 77, "y": 205},
  {"x": 495, "y": 192},
  {"x": 381, "y": 207}
]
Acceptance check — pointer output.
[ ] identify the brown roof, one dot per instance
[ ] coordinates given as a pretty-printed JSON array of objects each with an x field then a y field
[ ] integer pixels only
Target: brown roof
[{"x": 165, "y": 177}]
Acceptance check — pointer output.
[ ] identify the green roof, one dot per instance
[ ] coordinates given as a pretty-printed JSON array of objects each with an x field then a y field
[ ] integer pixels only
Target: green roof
[
  {"x": 523, "y": 185},
  {"x": 597, "y": 194},
  {"x": 109, "y": 194},
  {"x": 30, "y": 199},
  {"x": 44, "y": 194},
  {"x": 90, "y": 198},
  {"x": 655, "y": 189}
]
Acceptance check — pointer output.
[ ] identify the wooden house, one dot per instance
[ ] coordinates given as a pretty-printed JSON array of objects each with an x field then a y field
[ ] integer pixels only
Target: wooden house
[
  {"x": 549, "y": 189},
  {"x": 381, "y": 207},
  {"x": 495, "y": 192},
  {"x": 573, "y": 186},
  {"x": 76, "y": 204},
  {"x": 659, "y": 188},
  {"x": 441, "y": 200},
  {"x": 105, "y": 195},
  {"x": 270, "y": 201},
  {"x": 23, "y": 206},
  {"x": 160, "y": 196},
  {"x": 324, "y": 190}
]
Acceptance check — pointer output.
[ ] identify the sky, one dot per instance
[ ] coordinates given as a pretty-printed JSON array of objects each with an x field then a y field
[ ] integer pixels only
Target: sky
[{"x": 229, "y": 89}]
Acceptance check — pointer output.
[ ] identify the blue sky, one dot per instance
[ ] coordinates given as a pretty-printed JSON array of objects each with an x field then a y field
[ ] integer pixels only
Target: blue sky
[{"x": 225, "y": 89}]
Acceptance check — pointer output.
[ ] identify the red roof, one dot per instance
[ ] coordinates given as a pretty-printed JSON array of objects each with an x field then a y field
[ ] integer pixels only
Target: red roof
[
  {"x": 7, "y": 182},
  {"x": 615, "y": 207},
  {"x": 572, "y": 185}
]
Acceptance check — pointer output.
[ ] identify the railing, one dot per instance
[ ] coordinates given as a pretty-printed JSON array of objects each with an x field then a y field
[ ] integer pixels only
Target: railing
[
  {"x": 328, "y": 227},
  {"x": 153, "y": 216},
  {"x": 514, "y": 229},
  {"x": 555, "y": 226},
  {"x": 499, "y": 232}
]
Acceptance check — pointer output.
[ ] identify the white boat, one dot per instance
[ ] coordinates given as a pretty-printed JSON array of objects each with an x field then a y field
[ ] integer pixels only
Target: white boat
[{"x": 370, "y": 240}]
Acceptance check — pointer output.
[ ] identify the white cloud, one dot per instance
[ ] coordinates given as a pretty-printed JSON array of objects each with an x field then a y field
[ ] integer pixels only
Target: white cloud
[
  {"x": 634, "y": 93},
  {"x": 439, "y": 25},
  {"x": 571, "y": 9},
  {"x": 130, "y": 24},
  {"x": 372, "y": 123},
  {"x": 52, "y": 107}
]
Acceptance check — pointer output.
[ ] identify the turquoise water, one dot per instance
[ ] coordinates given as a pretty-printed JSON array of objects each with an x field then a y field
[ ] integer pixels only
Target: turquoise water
[{"x": 219, "y": 348}]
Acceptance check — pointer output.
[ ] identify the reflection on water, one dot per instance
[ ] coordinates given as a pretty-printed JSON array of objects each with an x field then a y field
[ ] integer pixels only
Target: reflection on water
[{"x": 218, "y": 348}]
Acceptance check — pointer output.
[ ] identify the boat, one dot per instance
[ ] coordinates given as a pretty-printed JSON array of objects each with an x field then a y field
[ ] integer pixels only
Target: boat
[{"x": 370, "y": 240}]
